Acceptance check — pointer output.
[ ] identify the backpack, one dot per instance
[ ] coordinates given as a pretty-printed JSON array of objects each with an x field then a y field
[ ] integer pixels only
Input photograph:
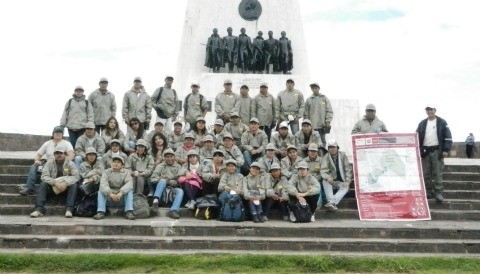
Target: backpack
[
  {"x": 186, "y": 101},
  {"x": 168, "y": 196},
  {"x": 70, "y": 102},
  {"x": 141, "y": 209},
  {"x": 207, "y": 207},
  {"x": 302, "y": 213},
  {"x": 87, "y": 207},
  {"x": 160, "y": 112},
  {"x": 232, "y": 209}
]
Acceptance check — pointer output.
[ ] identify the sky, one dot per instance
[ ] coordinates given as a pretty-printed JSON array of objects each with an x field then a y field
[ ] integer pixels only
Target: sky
[{"x": 398, "y": 54}]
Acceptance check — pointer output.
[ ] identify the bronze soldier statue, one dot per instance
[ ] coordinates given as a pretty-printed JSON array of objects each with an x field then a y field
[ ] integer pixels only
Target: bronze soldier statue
[
  {"x": 258, "y": 57},
  {"x": 285, "y": 54},
  {"x": 231, "y": 44},
  {"x": 214, "y": 58},
  {"x": 244, "y": 51},
  {"x": 271, "y": 53}
]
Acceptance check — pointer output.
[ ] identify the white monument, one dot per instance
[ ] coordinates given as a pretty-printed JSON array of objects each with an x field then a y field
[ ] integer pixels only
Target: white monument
[{"x": 276, "y": 16}]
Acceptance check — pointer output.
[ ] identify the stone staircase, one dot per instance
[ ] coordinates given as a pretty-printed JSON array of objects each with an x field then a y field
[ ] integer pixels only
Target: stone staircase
[{"x": 454, "y": 229}]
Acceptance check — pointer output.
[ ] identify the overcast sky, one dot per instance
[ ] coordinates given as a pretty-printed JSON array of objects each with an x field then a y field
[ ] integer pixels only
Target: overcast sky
[{"x": 398, "y": 54}]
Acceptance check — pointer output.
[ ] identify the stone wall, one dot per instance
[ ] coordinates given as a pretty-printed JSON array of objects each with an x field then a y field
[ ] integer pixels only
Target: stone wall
[
  {"x": 458, "y": 150},
  {"x": 21, "y": 142}
]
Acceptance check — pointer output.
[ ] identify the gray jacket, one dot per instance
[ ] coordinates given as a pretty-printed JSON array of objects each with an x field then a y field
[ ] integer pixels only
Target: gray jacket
[
  {"x": 95, "y": 172},
  {"x": 175, "y": 141},
  {"x": 235, "y": 181},
  {"x": 226, "y": 103},
  {"x": 288, "y": 168},
  {"x": 107, "y": 158},
  {"x": 113, "y": 182},
  {"x": 267, "y": 163},
  {"x": 283, "y": 143},
  {"x": 131, "y": 136},
  {"x": 104, "y": 106},
  {"x": 137, "y": 105},
  {"x": 318, "y": 110},
  {"x": 258, "y": 141},
  {"x": 300, "y": 140},
  {"x": 265, "y": 109},
  {"x": 120, "y": 136},
  {"x": 329, "y": 170},
  {"x": 252, "y": 184},
  {"x": 169, "y": 173},
  {"x": 246, "y": 109},
  {"x": 194, "y": 107},
  {"x": 168, "y": 102},
  {"x": 308, "y": 184},
  {"x": 144, "y": 164},
  {"x": 209, "y": 174},
  {"x": 314, "y": 166},
  {"x": 289, "y": 102},
  {"x": 70, "y": 173},
  {"x": 83, "y": 143},
  {"x": 236, "y": 131},
  {"x": 76, "y": 114},
  {"x": 278, "y": 187},
  {"x": 233, "y": 153},
  {"x": 364, "y": 126}
]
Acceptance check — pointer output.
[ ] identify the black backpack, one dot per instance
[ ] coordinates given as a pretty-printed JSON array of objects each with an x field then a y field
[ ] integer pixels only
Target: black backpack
[
  {"x": 160, "y": 112},
  {"x": 87, "y": 207},
  {"x": 186, "y": 101},
  {"x": 168, "y": 196},
  {"x": 302, "y": 213},
  {"x": 208, "y": 207}
]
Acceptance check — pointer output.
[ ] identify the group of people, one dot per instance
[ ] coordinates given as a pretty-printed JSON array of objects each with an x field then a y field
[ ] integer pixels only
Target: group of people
[
  {"x": 256, "y": 150},
  {"x": 258, "y": 55}
]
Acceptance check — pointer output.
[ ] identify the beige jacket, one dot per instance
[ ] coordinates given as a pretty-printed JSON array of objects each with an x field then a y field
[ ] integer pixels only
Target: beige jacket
[
  {"x": 137, "y": 105},
  {"x": 77, "y": 115},
  {"x": 70, "y": 173},
  {"x": 307, "y": 184},
  {"x": 113, "y": 182},
  {"x": 104, "y": 106}
]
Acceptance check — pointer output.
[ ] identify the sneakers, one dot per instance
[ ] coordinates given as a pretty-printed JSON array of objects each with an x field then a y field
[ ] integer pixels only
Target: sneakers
[
  {"x": 187, "y": 205},
  {"x": 192, "y": 205},
  {"x": 263, "y": 218},
  {"x": 27, "y": 191},
  {"x": 292, "y": 217},
  {"x": 173, "y": 214},
  {"x": 439, "y": 197},
  {"x": 150, "y": 194},
  {"x": 68, "y": 214},
  {"x": 129, "y": 215},
  {"x": 155, "y": 204},
  {"x": 100, "y": 215},
  {"x": 312, "y": 219},
  {"x": 36, "y": 214},
  {"x": 331, "y": 206},
  {"x": 256, "y": 218}
]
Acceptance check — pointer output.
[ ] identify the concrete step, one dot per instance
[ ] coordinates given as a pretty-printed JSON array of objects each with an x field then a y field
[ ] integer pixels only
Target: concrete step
[
  {"x": 347, "y": 203},
  {"x": 164, "y": 227},
  {"x": 436, "y": 214},
  {"x": 14, "y": 169},
  {"x": 461, "y": 168},
  {"x": 239, "y": 243},
  {"x": 461, "y": 176},
  {"x": 461, "y": 185},
  {"x": 17, "y": 161}
]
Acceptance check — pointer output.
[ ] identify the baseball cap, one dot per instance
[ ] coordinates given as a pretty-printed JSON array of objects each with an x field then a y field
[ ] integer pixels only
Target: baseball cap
[
  {"x": 370, "y": 107},
  {"x": 227, "y": 81}
]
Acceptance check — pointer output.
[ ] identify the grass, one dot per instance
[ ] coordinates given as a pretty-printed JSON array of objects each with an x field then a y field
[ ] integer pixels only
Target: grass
[{"x": 203, "y": 263}]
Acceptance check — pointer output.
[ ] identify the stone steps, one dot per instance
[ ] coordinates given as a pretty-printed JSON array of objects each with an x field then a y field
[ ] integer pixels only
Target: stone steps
[{"x": 239, "y": 243}]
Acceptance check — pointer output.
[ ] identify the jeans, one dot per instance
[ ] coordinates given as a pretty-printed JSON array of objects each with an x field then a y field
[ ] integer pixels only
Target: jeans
[
  {"x": 161, "y": 185},
  {"x": 32, "y": 177},
  {"x": 74, "y": 135},
  {"x": 102, "y": 200},
  {"x": 432, "y": 172},
  {"x": 342, "y": 189},
  {"x": 269, "y": 203},
  {"x": 78, "y": 161},
  {"x": 255, "y": 209},
  {"x": 45, "y": 190}
]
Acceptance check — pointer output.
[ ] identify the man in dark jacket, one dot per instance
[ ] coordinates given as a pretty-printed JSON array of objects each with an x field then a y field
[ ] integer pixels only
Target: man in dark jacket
[{"x": 435, "y": 140}]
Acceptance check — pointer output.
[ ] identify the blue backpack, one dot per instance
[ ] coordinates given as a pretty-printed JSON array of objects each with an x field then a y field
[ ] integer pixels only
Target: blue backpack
[{"x": 232, "y": 209}]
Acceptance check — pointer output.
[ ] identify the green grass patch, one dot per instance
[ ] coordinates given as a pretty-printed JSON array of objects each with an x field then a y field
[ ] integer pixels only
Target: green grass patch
[{"x": 204, "y": 263}]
